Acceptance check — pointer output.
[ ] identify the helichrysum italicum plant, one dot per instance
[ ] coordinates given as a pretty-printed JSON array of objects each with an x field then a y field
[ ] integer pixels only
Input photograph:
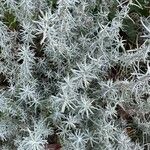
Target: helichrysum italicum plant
[{"x": 71, "y": 75}]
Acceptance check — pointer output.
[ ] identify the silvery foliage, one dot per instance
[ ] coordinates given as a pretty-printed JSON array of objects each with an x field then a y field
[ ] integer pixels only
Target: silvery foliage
[{"x": 57, "y": 68}]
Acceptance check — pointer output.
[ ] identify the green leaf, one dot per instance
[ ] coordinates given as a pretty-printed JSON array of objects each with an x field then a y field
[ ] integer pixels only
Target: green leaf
[
  {"x": 10, "y": 21},
  {"x": 130, "y": 29},
  {"x": 145, "y": 8}
]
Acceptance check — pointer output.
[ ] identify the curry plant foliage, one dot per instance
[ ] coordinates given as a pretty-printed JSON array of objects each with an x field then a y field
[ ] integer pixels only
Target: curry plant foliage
[{"x": 75, "y": 73}]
